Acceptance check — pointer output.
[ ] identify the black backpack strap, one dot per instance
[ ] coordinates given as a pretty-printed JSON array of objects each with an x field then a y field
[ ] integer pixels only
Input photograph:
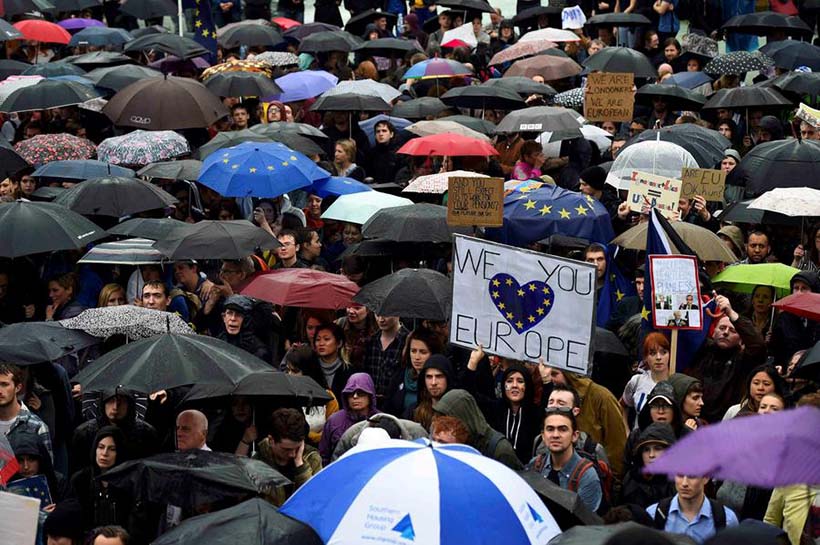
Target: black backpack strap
[
  {"x": 661, "y": 513},
  {"x": 718, "y": 514}
]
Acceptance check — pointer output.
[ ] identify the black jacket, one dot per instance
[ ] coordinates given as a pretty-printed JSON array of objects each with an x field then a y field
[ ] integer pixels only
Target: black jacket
[
  {"x": 383, "y": 163},
  {"x": 28, "y": 443},
  {"x": 523, "y": 427},
  {"x": 644, "y": 490}
]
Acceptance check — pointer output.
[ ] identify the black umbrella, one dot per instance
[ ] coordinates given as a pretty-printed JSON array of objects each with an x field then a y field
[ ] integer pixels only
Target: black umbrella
[
  {"x": 299, "y": 129},
  {"x": 165, "y": 103},
  {"x": 145, "y": 31},
  {"x": 384, "y": 248},
  {"x": 149, "y": 9},
  {"x": 411, "y": 223},
  {"x": 35, "y": 342},
  {"x": 242, "y": 84},
  {"x": 529, "y": 16},
  {"x": 251, "y": 35},
  {"x": 782, "y": 163},
  {"x": 39, "y": 227},
  {"x": 172, "y": 44},
  {"x": 151, "y": 228},
  {"x": 194, "y": 478},
  {"x": 479, "y": 125},
  {"x": 115, "y": 196},
  {"x": 737, "y": 63},
  {"x": 705, "y": 145},
  {"x": 792, "y": 54},
  {"x": 9, "y": 31},
  {"x": 409, "y": 293},
  {"x": 52, "y": 69},
  {"x": 798, "y": 83},
  {"x": 20, "y": 7},
  {"x": 809, "y": 365},
  {"x": 10, "y": 161},
  {"x": 564, "y": 505},
  {"x": 764, "y": 23},
  {"x": 470, "y": 5},
  {"x": 357, "y": 24},
  {"x": 747, "y": 97},
  {"x": 119, "y": 77},
  {"x": 350, "y": 102},
  {"x": 388, "y": 47},
  {"x": 739, "y": 212},
  {"x": 227, "y": 139},
  {"x": 46, "y": 193},
  {"x": 185, "y": 169},
  {"x": 10, "y": 67},
  {"x": 522, "y": 86},
  {"x": 168, "y": 361},
  {"x": 216, "y": 240},
  {"x": 275, "y": 386},
  {"x": 599, "y": 535},
  {"x": 539, "y": 119},
  {"x": 301, "y": 32},
  {"x": 252, "y": 521},
  {"x": 481, "y": 97},
  {"x": 621, "y": 59},
  {"x": 418, "y": 108},
  {"x": 47, "y": 93},
  {"x": 607, "y": 342},
  {"x": 94, "y": 59},
  {"x": 676, "y": 97},
  {"x": 332, "y": 40},
  {"x": 619, "y": 19}
]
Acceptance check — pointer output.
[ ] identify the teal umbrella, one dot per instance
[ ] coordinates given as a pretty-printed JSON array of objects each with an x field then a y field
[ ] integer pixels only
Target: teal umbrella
[{"x": 359, "y": 207}]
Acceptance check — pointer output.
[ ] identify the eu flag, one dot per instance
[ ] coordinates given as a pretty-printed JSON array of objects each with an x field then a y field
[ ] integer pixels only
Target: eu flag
[
  {"x": 616, "y": 287},
  {"x": 33, "y": 487},
  {"x": 204, "y": 28}
]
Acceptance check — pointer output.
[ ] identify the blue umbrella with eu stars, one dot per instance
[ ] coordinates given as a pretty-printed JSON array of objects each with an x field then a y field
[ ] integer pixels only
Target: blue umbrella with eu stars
[
  {"x": 336, "y": 186},
  {"x": 258, "y": 169},
  {"x": 535, "y": 214}
]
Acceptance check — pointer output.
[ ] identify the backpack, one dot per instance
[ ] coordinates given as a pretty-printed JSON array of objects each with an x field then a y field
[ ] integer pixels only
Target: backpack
[
  {"x": 192, "y": 301},
  {"x": 718, "y": 514}
]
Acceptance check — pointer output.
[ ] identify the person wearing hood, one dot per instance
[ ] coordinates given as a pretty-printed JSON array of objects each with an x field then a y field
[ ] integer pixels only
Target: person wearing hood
[
  {"x": 34, "y": 459},
  {"x": 118, "y": 408},
  {"x": 769, "y": 130},
  {"x": 516, "y": 412},
  {"x": 64, "y": 525},
  {"x": 489, "y": 442},
  {"x": 400, "y": 428},
  {"x": 660, "y": 407},
  {"x": 792, "y": 333},
  {"x": 358, "y": 403},
  {"x": 436, "y": 379},
  {"x": 505, "y": 38},
  {"x": 643, "y": 489},
  {"x": 412, "y": 30},
  {"x": 236, "y": 318},
  {"x": 689, "y": 395}
]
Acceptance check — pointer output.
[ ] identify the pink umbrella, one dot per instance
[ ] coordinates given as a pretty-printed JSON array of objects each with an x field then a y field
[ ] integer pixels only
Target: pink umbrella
[
  {"x": 521, "y": 49},
  {"x": 303, "y": 288}
]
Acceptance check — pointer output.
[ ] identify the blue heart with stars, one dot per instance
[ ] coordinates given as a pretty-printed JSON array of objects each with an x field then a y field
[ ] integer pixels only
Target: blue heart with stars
[{"x": 522, "y": 306}]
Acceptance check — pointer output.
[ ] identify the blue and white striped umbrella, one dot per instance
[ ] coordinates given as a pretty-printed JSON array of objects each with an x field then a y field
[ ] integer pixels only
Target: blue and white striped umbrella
[{"x": 403, "y": 492}]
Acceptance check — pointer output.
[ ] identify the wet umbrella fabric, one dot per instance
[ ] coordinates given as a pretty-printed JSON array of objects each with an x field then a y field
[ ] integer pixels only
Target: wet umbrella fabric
[
  {"x": 35, "y": 342},
  {"x": 79, "y": 170},
  {"x": 52, "y": 69},
  {"x": 135, "y": 251},
  {"x": 548, "y": 66},
  {"x": 539, "y": 119},
  {"x": 46, "y": 94},
  {"x": 481, "y": 126},
  {"x": 11, "y": 162},
  {"x": 272, "y": 130},
  {"x": 185, "y": 169},
  {"x": 800, "y": 83},
  {"x": 676, "y": 97},
  {"x": 781, "y": 163},
  {"x": 805, "y": 305},
  {"x": 621, "y": 59},
  {"x": 350, "y": 102},
  {"x": 9, "y": 32},
  {"x": 449, "y": 145},
  {"x": 792, "y": 54},
  {"x": 520, "y": 50},
  {"x": 437, "y": 182},
  {"x": 150, "y": 228},
  {"x": 100, "y": 37},
  {"x": 9, "y": 67},
  {"x": 303, "y": 85},
  {"x": 564, "y": 505},
  {"x": 388, "y": 47},
  {"x": 444, "y": 125},
  {"x": 272, "y": 386},
  {"x": 652, "y": 156},
  {"x": 410, "y": 293},
  {"x": 418, "y": 108},
  {"x": 129, "y": 320},
  {"x": 251, "y": 35},
  {"x": 119, "y": 77},
  {"x": 335, "y": 186},
  {"x": 357, "y": 24},
  {"x": 115, "y": 196},
  {"x": 38, "y": 227},
  {"x": 574, "y": 98},
  {"x": 43, "y": 31},
  {"x": 744, "y": 277},
  {"x": 688, "y": 80},
  {"x": 790, "y": 201},
  {"x": 705, "y": 145},
  {"x": 140, "y": 148},
  {"x": 763, "y": 23},
  {"x": 737, "y": 63},
  {"x": 303, "y": 288},
  {"x": 739, "y": 212},
  {"x": 333, "y": 40},
  {"x": 619, "y": 19},
  {"x": 809, "y": 365},
  {"x": 301, "y": 32},
  {"x": 241, "y": 84},
  {"x": 359, "y": 207},
  {"x": 522, "y": 85},
  {"x": 436, "y": 68},
  {"x": 483, "y": 97},
  {"x": 421, "y": 222},
  {"x": 366, "y": 87},
  {"x": 210, "y": 239},
  {"x": 747, "y": 97}
]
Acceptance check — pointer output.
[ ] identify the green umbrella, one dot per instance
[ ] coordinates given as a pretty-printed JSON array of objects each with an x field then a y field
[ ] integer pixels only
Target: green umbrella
[{"x": 744, "y": 277}]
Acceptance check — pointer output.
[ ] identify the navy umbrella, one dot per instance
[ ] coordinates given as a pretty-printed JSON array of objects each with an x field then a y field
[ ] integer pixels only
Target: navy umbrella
[{"x": 100, "y": 36}]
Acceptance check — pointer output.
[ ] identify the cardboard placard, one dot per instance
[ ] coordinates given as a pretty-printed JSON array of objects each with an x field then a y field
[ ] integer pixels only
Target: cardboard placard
[
  {"x": 675, "y": 292},
  {"x": 475, "y": 201},
  {"x": 18, "y": 524},
  {"x": 522, "y": 304},
  {"x": 609, "y": 96},
  {"x": 703, "y": 181},
  {"x": 654, "y": 191}
]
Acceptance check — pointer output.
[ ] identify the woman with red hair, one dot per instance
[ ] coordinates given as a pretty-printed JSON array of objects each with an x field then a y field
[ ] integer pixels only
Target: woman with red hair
[{"x": 655, "y": 368}]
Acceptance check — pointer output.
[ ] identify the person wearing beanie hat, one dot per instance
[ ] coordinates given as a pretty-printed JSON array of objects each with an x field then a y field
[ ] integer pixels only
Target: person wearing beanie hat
[
  {"x": 593, "y": 183},
  {"x": 644, "y": 489}
]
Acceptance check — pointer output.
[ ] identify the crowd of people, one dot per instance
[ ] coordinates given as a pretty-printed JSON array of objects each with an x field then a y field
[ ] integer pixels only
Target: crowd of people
[{"x": 593, "y": 435}]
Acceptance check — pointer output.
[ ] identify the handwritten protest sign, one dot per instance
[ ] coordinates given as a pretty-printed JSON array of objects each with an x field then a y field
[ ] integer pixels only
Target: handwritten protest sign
[
  {"x": 523, "y": 305},
  {"x": 675, "y": 292},
  {"x": 475, "y": 201},
  {"x": 654, "y": 191},
  {"x": 609, "y": 97},
  {"x": 703, "y": 181},
  {"x": 573, "y": 18}
]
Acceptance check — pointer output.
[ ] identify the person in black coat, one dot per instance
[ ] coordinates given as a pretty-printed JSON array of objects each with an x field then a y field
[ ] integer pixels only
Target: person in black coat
[
  {"x": 238, "y": 329},
  {"x": 383, "y": 163},
  {"x": 641, "y": 489},
  {"x": 34, "y": 459}
]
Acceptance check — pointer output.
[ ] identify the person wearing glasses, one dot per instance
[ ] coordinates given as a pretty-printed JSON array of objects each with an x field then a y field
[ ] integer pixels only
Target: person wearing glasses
[
  {"x": 358, "y": 403},
  {"x": 287, "y": 255}
]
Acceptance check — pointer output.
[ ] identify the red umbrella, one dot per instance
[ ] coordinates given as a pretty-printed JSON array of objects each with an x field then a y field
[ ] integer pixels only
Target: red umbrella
[
  {"x": 805, "y": 305},
  {"x": 284, "y": 23},
  {"x": 449, "y": 145},
  {"x": 43, "y": 31},
  {"x": 303, "y": 288}
]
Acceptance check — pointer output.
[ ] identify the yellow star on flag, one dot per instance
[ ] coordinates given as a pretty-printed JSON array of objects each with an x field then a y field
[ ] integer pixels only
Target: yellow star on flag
[
  {"x": 547, "y": 302},
  {"x": 619, "y": 295},
  {"x": 252, "y": 170},
  {"x": 496, "y": 295},
  {"x": 206, "y": 34},
  {"x": 270, "y": 167},
  {"x": 545, "y": 210},
  {"x": 501, "y": 306},
  {"x": 509, "y": 282},
  {"x": 532, "y": 287},
  {"x": 525, "y": 189},
  {"x": 226, "y": 161},
  {"x": 564, "y": 213},
  {"x": 581, "y": 210},
  {"x": 284, "y": 163},
  {"x": 496, "y": 283},
  {"x": 234, "y": 166},
  {"x": 530, "y": 319},
  {"x": 521, "y": 293},
  {"x": 545, "y": 290},
  {"x": 509, "y": 315},
  {"x": 294, "y": 158},
  {"x": 518, "y": 324},
  {"x": 540, "y": 311},
  {"x": 198, "y": 24},
  {"x": 644, "y": 314},
  {"x": 529, "y": 205}
]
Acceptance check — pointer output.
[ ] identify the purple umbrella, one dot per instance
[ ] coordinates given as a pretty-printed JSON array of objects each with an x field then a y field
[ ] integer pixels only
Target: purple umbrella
[
  {"x": 767, "y": 450},
  {"x": 303, "y": 85},
  {"x": 171, "y": 64},
  {"x": 77, "y": 23}
]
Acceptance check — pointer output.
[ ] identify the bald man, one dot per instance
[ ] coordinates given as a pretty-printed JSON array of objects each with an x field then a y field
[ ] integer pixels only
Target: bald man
[{"x": 192, "y": 430}]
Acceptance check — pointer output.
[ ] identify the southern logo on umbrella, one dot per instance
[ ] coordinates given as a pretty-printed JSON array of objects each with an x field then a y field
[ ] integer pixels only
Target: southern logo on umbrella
[{"x": 523, "y": 306}]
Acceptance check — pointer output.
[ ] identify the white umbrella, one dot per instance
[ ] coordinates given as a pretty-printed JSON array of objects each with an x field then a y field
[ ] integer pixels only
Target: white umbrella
[
  {"x": 790, "y": 201},
  {"x": 598, "y": 136},
  {"x": 551, "y": 34},
  {"x": 463, "y": 33},
  {"x": 438, "y": 182},
  {"x": 12, "y": 83},
  {"x": 358, "y": 207},
  {"x": 364, "y": 87},
  {"x": 439, "y": 126},
  {"x": 655, "y": 157}
]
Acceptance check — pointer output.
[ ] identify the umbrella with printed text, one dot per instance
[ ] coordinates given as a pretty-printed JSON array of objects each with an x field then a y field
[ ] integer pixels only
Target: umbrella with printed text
[
  {"x": 303, "y": 288},
  {"x": 43, "y": 31},
  {"x": 211, "y": 239},
  {"x": 411, "y": 293},
  {"x": 115, "y": 196},
  {"x": 621, "y": 59},
  {"x": 447, "y": 145},
  {"x": 45, "y": 148},
  {"x": 539, "y": 119},
  {"x": 39, "y": 227}
]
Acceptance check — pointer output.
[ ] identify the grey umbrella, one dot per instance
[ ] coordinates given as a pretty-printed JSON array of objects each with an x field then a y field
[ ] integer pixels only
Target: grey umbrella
[
  {"x": 409, "y": 293},
  {"x": 35, "y": 342},
  {"x": 115, "y": 196},
  {"x": 412, "y": 223},
  {"x": 539, "y": 119},
  {"x": 135, "y": 251},
  {"x": 185, "y": 169},
  {"x": 151, "y": 228},
  {"x": 210, "y": 239},
  {"x": 39, "y": 227}
]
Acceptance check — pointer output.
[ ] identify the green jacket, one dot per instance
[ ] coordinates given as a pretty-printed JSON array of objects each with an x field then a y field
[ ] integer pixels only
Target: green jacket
[{"x": 298, "y": 476}]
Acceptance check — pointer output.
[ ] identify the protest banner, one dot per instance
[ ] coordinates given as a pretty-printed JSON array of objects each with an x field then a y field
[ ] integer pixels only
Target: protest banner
[
  {"x": 675, "y": 292},
  {"x": 475, "y": 201},
  {"x": 706, "y": 182},
  {"x": 609, "y": 96},
  {"x": 573, "y": 18},
  {"x": 654, "y": 191},
  {"x": 18, "y": 525},
  {"x": 522, "y": 304}
]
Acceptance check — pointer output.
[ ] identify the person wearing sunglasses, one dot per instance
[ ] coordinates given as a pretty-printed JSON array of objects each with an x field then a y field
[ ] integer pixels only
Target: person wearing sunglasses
[{"x": 358, "y": 403}]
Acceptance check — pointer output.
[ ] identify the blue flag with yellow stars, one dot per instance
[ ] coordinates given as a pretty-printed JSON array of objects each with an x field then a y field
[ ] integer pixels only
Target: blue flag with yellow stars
[
  {"x": 616, "y": 287},
  {"x": 204, "y": 28},
  {"x": 32, "y": 487}
]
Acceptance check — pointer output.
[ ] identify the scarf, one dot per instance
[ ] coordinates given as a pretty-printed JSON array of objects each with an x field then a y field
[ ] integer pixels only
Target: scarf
[
  {"x": 330, "y": 369},
  {"x": 411, "y": 389}
]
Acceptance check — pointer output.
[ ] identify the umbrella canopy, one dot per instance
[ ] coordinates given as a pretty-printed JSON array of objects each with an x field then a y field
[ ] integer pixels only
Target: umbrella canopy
[
  {"x": 747, "y": 97},
  {"x": 528, "y": 18},
  {"x": 350, "y": 102},
  {"x": 45, "y": 148},
  {"x": 149, "y": 9},
  {"x": 303, "y": 288},
  {"x": 790, "y": 201},
  {"x": 438, "y": 182},
  {"x": 252, "y": 521},
  {"x": 241, "y": 84},
  {"x": 449, "y": 145},
  {"x": 744, "y": 277},
  {"x": 520, "y": 50},
  {"x": 100, "y": 37},
  {"x": 167, "y": 361},
  {"x": 550, "y": 210},
  {"x": 619, "y": 19},
  {"x": 388, "y": 47},
  {"x": 600, "y": 535},
  {"x": 550, "y": 67},
  {"x": 809, "y": 365},
  {"x": 703, "y": 242},
  {"x": 409, "y": 293},
  {"x": 165, "y": 103},
  {"x": 42, "y": 31},
  {"x": 739, "y": 212},
  {"x": 737, "y": 63},
  {"x": 436, "y": 68},
  {"x": 655, "y": 157},
  {"x": 563, "y": 504},
  {"x": 551, "y": 34},
  {"x": 444, "y": 125},
  {"x": 270, "y": 386},
  {"x": 185, "y": 169},
  {"x": 705, "y": 145},
  {"x": 786, "y": 443},
  {"x": 115, "y": 196},
  {"x": 8, "y": 86},
  {"x": 781, "y": 163},
  {"x": 119, "y": 77},
  {"x": 11, "y": 162},
  {"x": 38, "y": 227},
  {"x": 620, "y": 59},
  {"x": 365, "y": 87},
  {"x": 688, "y": 80},
  {"x": 171, "y": 44},
  {"x": 677, "y": 98},
  {"x": 258, "y": 169},
  {"x": 128, "y": 320},
  {"x": 273, "y": 130},
  {"x": 359, "y": 207},
  {"x": 135, "y": 251},
  {"x": 799, "y": 83},
  {"x": 193, "y": 478},
  {"x": 419, "y": 108},
  {"x": 79, "y": 23},
  {"x": 763, "y": 23},
  {"x": 539, "y": 119},
  {"x": 300, "y": 32},
  {"x": 8, "y": 32},
  {"x": 481, "y": 126},
  {"x": 151, "y": 228},
  {"x": 805, "y": 305},
  {"x": 140, "y": 148},
  {"x": 357, "y": 24},
  {"x": 36, "y": 342},
  {"x": 335, "y": 186},
  {"x": 574, "y": 99},
  {"x": 229, "y": 139},
  {"x": 9, "y": 67},
  {"x": 211, "y": 239},
  {"x": 47, "y": 93},
  {"x": 331, "y": 40},
  {"x": 791, "y": 54},
  {"x": 443, "y": 487},
  {"x": 79, "y": 170},
  {"x": 521, "y": 85},
  {"x": 481, "y": 97},
  {"x": 251, "y": 35},
  {"x": 421, "y": 222},
  {"x": 18, "y": 7},
  {"x": 53, "y": 69},
  {"x": 303, "y": 85}
]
